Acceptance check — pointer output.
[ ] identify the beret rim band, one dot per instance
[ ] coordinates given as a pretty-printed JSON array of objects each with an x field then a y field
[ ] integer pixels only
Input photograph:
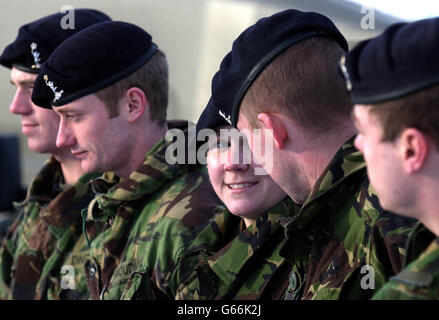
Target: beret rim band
[
  {"x": 260, "y": 66},
  {"x": 25, "y": 69},
  {"x": 395, "y": 94},
  {"x": 106, "y": 82}
]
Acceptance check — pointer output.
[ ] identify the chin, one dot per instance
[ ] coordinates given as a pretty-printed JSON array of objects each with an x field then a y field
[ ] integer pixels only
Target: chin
[
  {"x": 38, "y": 148},
  {"x": 394, "y": 207},
  {"x": 241, "y": 211},
  {"x": 237, "y": 211},
  {"x": 386, "y": 205},
  {"x": 87, "y": 168}
]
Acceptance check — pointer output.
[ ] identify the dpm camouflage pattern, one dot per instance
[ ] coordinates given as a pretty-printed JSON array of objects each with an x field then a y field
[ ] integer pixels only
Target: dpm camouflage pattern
[
  {"x": 341, "y": 235},
  {"x": 150, "y": 219},
  {"x": 419, "y": 280},
  {"x": 247, "y": 265},
  {"x": 43, "y": 188},
  {"x": 57, "y": 281},
  {"x": 47, "y": 213}
]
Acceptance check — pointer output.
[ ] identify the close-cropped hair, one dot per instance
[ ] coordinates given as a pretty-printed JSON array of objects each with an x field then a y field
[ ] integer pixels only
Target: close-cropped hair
[
  {"x": 419, "y": 110},
  {"x": 151, "y": 78},
  {"x": 305, "y": 84}
]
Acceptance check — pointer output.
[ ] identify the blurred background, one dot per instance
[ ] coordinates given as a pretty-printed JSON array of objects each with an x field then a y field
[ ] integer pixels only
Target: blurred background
[{"x": 194, "y": 34}]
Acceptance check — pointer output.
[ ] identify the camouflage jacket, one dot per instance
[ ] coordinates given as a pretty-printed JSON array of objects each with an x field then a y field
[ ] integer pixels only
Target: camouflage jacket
[
  {"x": 65, "y": 228},
  {"x": 420, "y": 278},
  {"x": 145, "y": 220},
  {"x": 248, "y": 266},
  {"x": 341, "y": 244},
  {"x": 47, "y": 213}
]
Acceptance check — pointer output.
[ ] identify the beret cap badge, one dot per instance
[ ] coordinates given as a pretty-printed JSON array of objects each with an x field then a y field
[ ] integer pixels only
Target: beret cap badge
[
  {"x": 344, "y": 70},
  {"x": 36, "y": 55},
  {"x": 50, "y": 84},
  {"x": 222, "y": 114}
]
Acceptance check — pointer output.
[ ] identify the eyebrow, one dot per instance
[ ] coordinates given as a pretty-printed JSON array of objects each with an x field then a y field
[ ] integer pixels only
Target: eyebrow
[
  {"x": 64, "y": 111},
  {"x": 22, "y": 82}
]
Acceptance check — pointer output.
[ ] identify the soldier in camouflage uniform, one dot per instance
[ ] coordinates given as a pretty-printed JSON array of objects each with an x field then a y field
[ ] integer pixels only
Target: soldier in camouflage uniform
[
  {"x": 282, "y": 78},
  {"x": 56, "y": 195},
  {"x": 247, "y": 265},
  {"x": 113, "y": 117},
  {"x": 245, "y": 262},
  {"x": 396, "y": 94}
]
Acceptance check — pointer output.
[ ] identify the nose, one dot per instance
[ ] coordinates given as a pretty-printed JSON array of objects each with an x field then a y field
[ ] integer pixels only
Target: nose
[
  {"x": 358, "y": 142},
  {"x": 65, "y": 136},
  {"x": 237, "y": 158},
  {"x": 21, "y": 104}
]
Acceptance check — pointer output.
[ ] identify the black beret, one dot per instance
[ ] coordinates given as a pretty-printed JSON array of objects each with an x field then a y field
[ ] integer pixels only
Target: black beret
[
  {"x": 91, "y": 60},
  {"x": 256, "y": 47},
  {"x": 402, "y": 60},
  {"x": 37, "y": 40},
  {"x": 211, "y": 118}
]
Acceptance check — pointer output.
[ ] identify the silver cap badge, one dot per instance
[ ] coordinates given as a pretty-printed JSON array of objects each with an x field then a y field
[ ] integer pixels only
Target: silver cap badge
[
  {"x": 344, "y": 70},
  {"x": 50, "y": 84},
  {"x": 222, "y": 114},
  {"x": 36, "y": 55}
]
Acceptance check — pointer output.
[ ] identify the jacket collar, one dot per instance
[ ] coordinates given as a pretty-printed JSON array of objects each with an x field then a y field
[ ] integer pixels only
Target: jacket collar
[
  {"x": 347, "y": 163},
  {"x": 225, "y": 263},
  {"x": 149, "y": 176},
  {"x": 47, "y": 184}
]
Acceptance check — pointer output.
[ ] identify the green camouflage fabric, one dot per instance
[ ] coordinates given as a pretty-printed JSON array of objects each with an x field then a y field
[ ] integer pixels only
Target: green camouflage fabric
[
  {"x": 62, "y": 276},
  {"x": 47, "y": 212},
  {"x": 419, "y": 280},
  {"x": 342, "y": 244},
  {"x": 44, "y": 187},
  {"x": 151, "y": 216},
  {"x": 247, "y": 264}
]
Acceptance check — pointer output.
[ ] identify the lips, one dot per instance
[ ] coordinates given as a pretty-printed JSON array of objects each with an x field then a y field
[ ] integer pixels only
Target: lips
[
  {"x": 28, "y": 127},
  {"x": 240, "y": 185},
  {"x": 29, "y": 124},
  {"x": 79, "y": 154}
]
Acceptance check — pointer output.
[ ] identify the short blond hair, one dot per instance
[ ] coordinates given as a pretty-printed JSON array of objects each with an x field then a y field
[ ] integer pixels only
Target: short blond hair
[
  {"x": 419, "y": 110},
  {"x": 304, "y": 83},
  {"x": 152, "y": 78}
]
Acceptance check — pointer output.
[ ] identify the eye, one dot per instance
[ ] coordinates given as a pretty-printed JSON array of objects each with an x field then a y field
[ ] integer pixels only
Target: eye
[
  {"x": 72, "y": 117},
  {"x": 222, "y": 145}
]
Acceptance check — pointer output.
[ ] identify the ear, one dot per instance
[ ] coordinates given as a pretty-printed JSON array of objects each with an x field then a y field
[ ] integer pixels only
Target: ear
[
  {"x": 137, "y": 104},
  {"x": 414, "y": 147},
  {"x": 276, "y": 124}
]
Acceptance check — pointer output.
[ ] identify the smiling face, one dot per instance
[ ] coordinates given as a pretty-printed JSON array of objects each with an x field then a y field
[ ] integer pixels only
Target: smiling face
[
  {"x": 100, "y": 142},
  {"x": 39, "y": 125},
  {"x": 232, "y": 174}
]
